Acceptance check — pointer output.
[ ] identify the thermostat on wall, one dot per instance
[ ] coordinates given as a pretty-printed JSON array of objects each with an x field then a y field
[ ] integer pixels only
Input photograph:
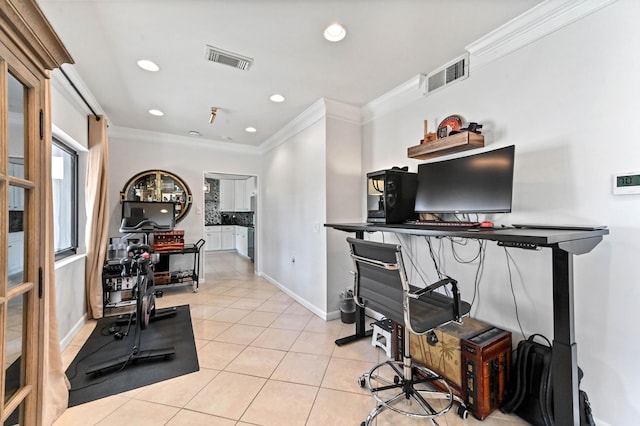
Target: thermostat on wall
[{"x": 626, "y": 183}]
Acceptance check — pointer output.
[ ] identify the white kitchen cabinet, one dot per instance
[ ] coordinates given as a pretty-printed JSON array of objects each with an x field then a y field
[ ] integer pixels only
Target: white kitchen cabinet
[
  {"x": 251, "y": 186},
  {"x": 15, "y": 258},
  {"x": 242, "y": 201},
  {"x": 242, "y": 243},
  {"x": 213, "y": 238},
  {"x": 16, "y": 194},
  {"x": 228, "y": 237},
  {"x": 227, "y": 195}
]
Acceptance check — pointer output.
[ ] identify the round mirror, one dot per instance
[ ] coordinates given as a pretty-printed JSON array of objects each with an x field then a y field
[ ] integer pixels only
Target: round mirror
[{"x": 158, "y": 185}]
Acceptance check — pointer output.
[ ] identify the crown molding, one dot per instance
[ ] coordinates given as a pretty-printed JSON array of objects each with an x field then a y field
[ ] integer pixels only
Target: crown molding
[
  {"x": 320, "y": 109},
  {"x": 539, "y": 21},
  {"x": 344, "y": 112},
  {"x": 130, "y": 134},
  {"x": 315, "y": 112},
  {"x": 394, "y": 99}
]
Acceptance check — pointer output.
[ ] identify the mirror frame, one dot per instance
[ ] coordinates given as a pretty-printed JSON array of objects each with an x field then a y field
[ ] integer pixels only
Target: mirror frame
[{"x": 183, "y": 204}]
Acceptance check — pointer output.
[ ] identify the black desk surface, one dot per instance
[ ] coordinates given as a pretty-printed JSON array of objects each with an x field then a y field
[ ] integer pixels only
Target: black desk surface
[{"x": 541, "y": 237}]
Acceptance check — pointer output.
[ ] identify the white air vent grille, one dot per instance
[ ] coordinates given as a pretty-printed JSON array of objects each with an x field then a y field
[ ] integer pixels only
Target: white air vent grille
[
  {"x": 455, "y": 70},
  {"x": 220, "y": 56}
]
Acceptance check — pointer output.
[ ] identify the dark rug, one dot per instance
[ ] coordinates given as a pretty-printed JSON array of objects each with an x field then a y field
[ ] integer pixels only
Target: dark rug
[{"x": 175, "y": 331}]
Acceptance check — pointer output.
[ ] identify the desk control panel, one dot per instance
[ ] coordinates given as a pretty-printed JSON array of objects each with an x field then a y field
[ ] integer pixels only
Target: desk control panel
[{"x": 519, "y": 244}]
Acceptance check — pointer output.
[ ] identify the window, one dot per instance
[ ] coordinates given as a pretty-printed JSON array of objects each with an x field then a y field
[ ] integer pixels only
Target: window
[{"x": 64, "y": 174}]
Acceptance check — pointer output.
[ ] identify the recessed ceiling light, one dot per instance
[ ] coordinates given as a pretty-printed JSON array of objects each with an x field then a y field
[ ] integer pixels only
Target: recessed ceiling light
[
  {"x": 148, "y": 65},
  {"x": 335, "y": 32},
  {"x": 194, "y": 133},
  {"x": 250, "y": 129},
  {"x": 277, "y": 98},
  {"x": 156, "y": 112}
]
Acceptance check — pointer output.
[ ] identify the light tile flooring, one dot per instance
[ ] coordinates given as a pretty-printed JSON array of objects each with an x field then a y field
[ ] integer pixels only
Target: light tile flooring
[{"x": 264, "y": 360}]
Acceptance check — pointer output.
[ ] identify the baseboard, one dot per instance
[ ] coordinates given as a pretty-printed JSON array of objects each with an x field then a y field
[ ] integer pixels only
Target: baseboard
[
  {"x": 73, "y": 332},
  {"x": 297, "y": 298}
]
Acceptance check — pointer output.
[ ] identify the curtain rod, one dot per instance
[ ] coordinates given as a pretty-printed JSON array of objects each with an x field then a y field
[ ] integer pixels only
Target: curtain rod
[{"x": 79, "y": 94}]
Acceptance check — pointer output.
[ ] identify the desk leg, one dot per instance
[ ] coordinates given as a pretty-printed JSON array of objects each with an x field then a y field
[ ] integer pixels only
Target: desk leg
[
  {"x": 361, "y": 331},
  {"x": 565, "y": 352}
]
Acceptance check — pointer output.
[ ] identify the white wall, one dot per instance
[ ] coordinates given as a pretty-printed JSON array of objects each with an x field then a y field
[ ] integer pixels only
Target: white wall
[
  {"x": 345, "y": 180},
  {"x": 71, "y": 126},
  {"x": 567, "y": 102},
  {"x": 311, "y": 176},
  {"x": 293, "y": 200}
]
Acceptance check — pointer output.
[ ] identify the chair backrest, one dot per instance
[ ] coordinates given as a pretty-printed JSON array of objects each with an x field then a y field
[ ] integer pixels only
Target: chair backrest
[
  {"x": 378, "y": 282},
  {"x": 382, "y": 285}
]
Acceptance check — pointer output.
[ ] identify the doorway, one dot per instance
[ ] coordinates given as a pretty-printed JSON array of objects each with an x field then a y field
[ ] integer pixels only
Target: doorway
[{"x": 230, "y": 218}]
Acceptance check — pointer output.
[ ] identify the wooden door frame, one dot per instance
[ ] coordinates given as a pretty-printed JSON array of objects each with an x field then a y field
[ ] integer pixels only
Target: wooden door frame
[{"x": 31, "y": 49}]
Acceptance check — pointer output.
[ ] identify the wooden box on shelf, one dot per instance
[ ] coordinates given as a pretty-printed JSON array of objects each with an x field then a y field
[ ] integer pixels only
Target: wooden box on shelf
[
  {"x": 455, "y": 143},
  {"x": 167, "y": 241}
]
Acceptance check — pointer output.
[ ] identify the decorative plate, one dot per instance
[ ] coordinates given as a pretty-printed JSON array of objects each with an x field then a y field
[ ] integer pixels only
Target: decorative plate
[{"x": 454, "y": 122}]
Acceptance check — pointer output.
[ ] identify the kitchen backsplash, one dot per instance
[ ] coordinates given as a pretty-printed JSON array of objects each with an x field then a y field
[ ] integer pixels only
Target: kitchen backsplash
[
  {"x": 212, "y": 213},
  {"x": 15, "y": 220}
]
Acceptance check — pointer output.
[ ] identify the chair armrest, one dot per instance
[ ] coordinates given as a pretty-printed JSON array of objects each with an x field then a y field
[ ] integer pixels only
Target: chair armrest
[
  {"x": 454, "y": 290},
  {"x": 434, "y": 286}
]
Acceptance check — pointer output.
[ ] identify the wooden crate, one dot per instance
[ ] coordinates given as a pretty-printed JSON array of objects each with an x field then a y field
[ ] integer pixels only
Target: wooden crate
[
  {"x": 445, "y": 357},
  {"x": 167, "y": 241},
  {"x": 486, "y": 363},
  {"x": 162, "y": 278}
]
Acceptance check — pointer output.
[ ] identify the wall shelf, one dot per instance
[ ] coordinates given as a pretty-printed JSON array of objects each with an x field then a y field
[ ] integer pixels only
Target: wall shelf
[{"x": 449, "y": 145}]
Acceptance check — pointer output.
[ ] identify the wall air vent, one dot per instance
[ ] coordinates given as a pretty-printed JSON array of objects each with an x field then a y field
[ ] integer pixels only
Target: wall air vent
[
  {"x": 220, "y": 56},
  {"x": 456, "y": 70}
]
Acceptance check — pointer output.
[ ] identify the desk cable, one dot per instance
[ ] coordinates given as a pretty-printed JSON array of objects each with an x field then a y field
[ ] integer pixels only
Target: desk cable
[{"x": 513, "y": 294}]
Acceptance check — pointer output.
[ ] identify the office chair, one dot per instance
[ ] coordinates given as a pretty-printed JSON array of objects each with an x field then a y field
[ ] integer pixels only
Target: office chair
[{"x": 381, "y": 285}]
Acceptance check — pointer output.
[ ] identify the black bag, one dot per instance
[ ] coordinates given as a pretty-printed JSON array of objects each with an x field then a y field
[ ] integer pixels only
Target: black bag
[
  {"x": 531, "y": 393},
  {"x": 530, "y": 396}
]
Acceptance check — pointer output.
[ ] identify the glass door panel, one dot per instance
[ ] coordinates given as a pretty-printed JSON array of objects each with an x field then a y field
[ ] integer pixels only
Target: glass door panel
[
  {"x": 14, "y": 337},
  {"x": 18, "y": 306},
  {"x": 16, "y": 95},
  {"x": 16, "y": 247}
]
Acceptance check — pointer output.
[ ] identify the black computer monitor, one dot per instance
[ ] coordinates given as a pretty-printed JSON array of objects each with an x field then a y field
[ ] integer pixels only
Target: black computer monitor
[
  {"x": 161, "y": 213},
  {"x": 480, "y": 183}
]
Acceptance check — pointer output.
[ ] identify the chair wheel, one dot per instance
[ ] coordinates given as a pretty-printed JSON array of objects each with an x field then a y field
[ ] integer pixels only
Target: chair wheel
[
  {"x": 463, "y": 413},
  {"x": 362, "y": 383},
  {"x": 362, "y": 424},
  {"x": 396, "y": 379}
]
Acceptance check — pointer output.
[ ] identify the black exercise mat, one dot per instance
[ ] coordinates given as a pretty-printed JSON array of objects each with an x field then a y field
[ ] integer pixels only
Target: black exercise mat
[{"x": 101, "y": 346}]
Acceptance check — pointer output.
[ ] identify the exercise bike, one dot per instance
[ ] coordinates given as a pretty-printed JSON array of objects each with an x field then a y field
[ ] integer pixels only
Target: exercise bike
[{"x": 139, "y": 263}]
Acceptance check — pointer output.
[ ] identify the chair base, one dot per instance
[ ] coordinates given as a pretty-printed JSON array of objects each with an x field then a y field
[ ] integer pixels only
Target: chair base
[{"x": 407, "y": 390}]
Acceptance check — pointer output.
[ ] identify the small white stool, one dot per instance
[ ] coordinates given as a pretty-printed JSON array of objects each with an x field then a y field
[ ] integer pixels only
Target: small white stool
[{"x": 381, "y": 336}]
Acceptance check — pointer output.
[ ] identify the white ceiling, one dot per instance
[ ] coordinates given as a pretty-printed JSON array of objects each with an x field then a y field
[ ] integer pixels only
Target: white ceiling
[{"x": 388, "y": 43}]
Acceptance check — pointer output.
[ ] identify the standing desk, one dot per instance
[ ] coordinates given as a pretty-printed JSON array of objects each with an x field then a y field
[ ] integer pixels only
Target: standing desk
[{"x": 564, "y": 243}]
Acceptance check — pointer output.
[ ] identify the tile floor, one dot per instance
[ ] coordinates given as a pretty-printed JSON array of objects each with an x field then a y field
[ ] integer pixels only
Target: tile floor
[{"x": 264, "y": 360}]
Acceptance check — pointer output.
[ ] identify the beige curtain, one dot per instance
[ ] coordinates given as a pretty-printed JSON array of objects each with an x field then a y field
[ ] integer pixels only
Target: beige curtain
[
  {"x": 55, "y": 386},
  {"x": 97, "y": 203}
]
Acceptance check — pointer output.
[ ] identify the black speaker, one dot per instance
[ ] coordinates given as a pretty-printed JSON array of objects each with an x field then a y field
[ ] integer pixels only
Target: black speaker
[{"x": 391, "y": 195}]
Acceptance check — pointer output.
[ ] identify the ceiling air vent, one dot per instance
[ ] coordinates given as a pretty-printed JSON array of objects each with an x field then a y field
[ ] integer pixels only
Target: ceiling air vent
[
  {"x": 220, "y": 56},
  {"x": 456, "y": 70}
]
